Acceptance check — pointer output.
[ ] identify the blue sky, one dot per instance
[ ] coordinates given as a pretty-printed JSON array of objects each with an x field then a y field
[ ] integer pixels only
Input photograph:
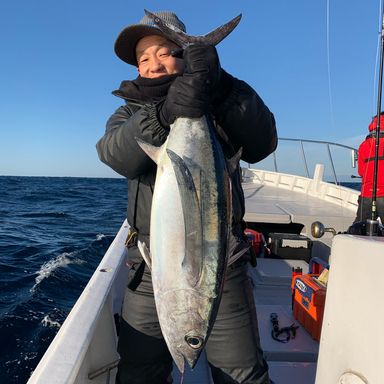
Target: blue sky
[{"x": 58, "y": 69}]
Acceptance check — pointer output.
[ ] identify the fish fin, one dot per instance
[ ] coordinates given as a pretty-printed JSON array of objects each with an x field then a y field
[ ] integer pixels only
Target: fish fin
[
  {"x": 193, "y": 259},
  {"x": 183, "y": 40},
  {"x": 238, "y": 254},
  {"x": 152, "y": 151},
  {"x": 214, "y": 37},
  {"x": 145, "y": 253},
  {"x": 233, "y": 162}
]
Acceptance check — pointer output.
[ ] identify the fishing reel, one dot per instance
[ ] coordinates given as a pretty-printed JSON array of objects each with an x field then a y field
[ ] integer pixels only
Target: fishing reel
[{"x": 367, "y": 228}]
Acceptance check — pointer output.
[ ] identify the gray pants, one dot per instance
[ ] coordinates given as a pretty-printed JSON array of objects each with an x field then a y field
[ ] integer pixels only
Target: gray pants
[{"x": 233, "y": 348}]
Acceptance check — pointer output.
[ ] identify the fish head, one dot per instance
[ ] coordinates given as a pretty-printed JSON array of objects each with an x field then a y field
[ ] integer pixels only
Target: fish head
[{"x": 186, "y": 320}]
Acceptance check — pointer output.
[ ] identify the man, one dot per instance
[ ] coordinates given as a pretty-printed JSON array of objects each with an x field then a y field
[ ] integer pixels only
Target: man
[
  {"x": 366, "y": 160},
  {"x": 169, "y": 86}
]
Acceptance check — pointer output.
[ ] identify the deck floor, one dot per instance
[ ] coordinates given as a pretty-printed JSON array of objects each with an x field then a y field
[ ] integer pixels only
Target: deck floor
[
  {"x": 267, "y": 204},
  {"x": 289, "y": 363}
]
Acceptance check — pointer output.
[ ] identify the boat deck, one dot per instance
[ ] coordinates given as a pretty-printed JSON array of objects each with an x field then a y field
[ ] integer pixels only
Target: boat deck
[
  {"x": 267, "y": 204},
  {"x": 289, "y": 363}
]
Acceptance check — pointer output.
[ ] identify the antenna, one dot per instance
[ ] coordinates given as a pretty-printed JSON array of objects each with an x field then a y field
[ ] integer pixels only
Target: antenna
[{"x": 372, "y": 224}]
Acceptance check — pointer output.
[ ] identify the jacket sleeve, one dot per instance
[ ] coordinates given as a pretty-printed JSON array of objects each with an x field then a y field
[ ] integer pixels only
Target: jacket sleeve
[
  {"x": 247, "y": 122},
  {"x": 118, "y": 147},
  {"x": 362, "y": 154}
]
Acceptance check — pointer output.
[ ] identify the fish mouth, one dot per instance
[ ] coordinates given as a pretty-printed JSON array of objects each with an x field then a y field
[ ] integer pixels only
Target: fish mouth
[
  {"x": 179, "y": 361},
  {"x": 190, "y": 352}
]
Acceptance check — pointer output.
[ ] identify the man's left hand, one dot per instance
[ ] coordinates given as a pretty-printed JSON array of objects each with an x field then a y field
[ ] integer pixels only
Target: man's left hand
[{"x": 203, "y": 61}]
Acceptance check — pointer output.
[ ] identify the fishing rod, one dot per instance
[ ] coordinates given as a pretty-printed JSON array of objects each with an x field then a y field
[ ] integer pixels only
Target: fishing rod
[{"x": 373, "y": 224}]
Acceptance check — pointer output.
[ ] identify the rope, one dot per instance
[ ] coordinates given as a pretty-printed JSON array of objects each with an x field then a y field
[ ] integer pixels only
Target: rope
[
  {"x": 374, "y": 97},
  {"x": 282, "y": 335},
  {"x": 329, "y": 68}
]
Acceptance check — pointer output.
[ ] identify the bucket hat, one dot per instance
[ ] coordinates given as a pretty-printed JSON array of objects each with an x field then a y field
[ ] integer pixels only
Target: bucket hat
[{"x": 125, "y": 45}]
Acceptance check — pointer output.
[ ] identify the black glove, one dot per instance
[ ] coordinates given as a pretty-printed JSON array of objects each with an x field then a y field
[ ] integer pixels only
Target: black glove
[
  {"x": 203, "y": 61},
  {"x": 190, "y": 95},
  {"x": 186, "y": 98}
]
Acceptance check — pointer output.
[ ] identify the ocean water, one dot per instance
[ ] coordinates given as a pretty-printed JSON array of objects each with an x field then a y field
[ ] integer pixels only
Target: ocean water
[{"x": 53, "y": 234}]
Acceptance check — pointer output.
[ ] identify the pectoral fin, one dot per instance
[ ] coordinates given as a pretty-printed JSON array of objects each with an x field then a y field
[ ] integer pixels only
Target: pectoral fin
[
  {"x": 233, "y": 162},
  {"x": 152, "y": 151},
  {"x": 145, "y": 253},
  {"x": 238, "y": 254},
  {"x": 193, "y": 259}
]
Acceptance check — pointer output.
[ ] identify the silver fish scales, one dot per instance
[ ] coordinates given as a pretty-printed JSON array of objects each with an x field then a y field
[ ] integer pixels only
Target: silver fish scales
[{"x": 190, "y": 223}]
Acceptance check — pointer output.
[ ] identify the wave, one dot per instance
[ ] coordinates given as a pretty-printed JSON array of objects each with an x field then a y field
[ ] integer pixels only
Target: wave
[
  {"x": 50, "y": 266},
  {"x": 45, "y": 214},
  {"x": 55, "y": 232},
  {"x": 48, "y": 322},
  {"x": 100, "y": 236}
]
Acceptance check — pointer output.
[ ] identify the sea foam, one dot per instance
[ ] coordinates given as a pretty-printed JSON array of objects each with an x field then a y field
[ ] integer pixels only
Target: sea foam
[
  {"x": 51, "y": 265},
  {"x": 48, "y": 322}
]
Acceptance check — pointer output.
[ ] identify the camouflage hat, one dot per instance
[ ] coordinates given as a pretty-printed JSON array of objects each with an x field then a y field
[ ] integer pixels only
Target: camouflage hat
[{"x": 125, "y": 45}]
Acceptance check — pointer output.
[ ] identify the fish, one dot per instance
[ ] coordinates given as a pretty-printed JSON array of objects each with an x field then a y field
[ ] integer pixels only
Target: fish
[{"x": 190, "y": 223}]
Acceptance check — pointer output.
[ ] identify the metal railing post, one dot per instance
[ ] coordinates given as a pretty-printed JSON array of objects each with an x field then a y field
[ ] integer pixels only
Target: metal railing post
[
  {"x": 304, "y": 158},
  {"x": 332, "y": 165},
  {"x": 275, "y": 161}
]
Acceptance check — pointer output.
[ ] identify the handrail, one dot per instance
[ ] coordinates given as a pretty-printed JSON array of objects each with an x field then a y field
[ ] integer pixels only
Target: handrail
[
  {"x": 328, "y": 145},
  {"x": 319, "y": 142}
]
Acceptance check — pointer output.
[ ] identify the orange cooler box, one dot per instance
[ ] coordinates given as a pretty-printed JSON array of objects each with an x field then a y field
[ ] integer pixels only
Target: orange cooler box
[{"x": 308, "y": 303}]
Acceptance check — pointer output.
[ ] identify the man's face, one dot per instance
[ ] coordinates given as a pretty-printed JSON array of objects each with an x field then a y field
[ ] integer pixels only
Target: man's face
[{"x": 153, "y": 54}]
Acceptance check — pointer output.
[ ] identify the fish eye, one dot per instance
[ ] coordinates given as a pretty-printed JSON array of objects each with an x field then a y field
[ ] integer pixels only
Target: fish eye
[{"x": 195, "y": 342}]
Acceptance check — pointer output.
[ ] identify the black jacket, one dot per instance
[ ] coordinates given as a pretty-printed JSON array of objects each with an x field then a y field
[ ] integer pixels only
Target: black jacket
[{"x": 242, "y": 118}]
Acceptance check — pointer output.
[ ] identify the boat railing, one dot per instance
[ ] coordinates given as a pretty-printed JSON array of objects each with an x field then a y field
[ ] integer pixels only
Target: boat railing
[{"x": 303, "y": 155}]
